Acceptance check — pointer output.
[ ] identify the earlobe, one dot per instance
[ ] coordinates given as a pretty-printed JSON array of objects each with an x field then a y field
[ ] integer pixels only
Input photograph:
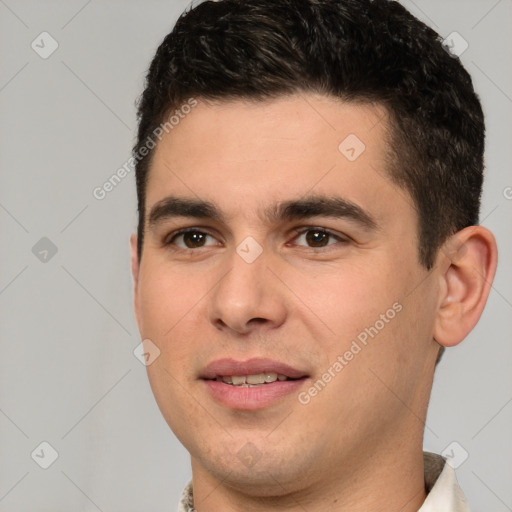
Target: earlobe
[{"x": 468, "y": 262}]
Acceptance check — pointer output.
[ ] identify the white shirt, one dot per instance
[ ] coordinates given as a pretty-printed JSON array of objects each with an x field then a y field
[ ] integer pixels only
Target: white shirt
[{"x": 443, "y": 491}]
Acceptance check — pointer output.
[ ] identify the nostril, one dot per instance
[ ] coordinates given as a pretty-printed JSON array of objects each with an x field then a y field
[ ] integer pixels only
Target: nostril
[{"x": 258, "y": 320}]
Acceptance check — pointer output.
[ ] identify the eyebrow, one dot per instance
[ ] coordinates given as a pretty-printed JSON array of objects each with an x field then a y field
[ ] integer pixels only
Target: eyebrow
[{"x": 305, "y": 207}]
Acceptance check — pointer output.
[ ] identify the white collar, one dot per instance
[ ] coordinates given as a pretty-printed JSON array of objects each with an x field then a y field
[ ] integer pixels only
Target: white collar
[{"x": 445, "y": 494}]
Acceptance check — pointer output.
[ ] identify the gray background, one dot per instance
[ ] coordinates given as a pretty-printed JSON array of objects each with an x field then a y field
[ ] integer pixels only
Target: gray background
[{"x": 68, "y": 375}]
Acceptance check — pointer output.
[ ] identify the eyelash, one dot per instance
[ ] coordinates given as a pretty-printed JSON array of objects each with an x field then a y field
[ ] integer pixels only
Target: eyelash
[{"x": 170, "y": 239}]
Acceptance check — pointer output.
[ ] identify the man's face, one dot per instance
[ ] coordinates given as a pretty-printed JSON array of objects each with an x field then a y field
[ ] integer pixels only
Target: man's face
[{"x": 308, "y": 285}]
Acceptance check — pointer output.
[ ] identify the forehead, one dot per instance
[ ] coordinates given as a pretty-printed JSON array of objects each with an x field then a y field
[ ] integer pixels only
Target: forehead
[
  {"x": 241, "y": 154},
  {"x": 282, "y": 127}
]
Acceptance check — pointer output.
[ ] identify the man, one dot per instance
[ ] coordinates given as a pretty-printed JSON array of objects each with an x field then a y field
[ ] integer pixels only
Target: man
[{"x": 309, "y": 176}]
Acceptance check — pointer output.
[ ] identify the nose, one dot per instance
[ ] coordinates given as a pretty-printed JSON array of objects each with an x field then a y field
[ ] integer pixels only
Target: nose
[{"x": 248, "y": 297}]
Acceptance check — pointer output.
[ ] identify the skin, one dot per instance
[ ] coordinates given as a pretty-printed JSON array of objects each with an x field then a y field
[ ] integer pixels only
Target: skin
[{"x": 357, "y": 445}]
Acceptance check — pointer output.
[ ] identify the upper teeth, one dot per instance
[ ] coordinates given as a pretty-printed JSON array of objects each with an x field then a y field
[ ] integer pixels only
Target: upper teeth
[{"x": 259, "y": 378}]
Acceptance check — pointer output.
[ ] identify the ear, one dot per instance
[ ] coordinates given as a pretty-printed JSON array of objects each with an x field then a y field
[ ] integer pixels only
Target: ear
[
  {"x": 468, "y": 262},
  {"x": 135, "y": 264}
]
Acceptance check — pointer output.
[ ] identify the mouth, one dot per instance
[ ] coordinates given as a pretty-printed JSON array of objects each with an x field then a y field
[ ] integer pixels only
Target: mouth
[
  {"x": 252, "y": 381},
  {"x": 252, "y": 384},
  {"x": 255, "y": 371}
]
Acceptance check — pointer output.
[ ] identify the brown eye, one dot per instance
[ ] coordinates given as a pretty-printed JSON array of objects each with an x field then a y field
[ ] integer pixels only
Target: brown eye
[
  {"x": 190, "y": 239},
  {"x": 193, "y": 239},
  {"x": 317, "y": 238}
]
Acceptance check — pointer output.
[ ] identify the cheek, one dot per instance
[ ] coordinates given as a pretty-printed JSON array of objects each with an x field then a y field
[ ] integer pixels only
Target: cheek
[
  {"x": 170, "y": 301},
  {"x": 165, "y": 298},
  {"x": 347, "y": 298}
]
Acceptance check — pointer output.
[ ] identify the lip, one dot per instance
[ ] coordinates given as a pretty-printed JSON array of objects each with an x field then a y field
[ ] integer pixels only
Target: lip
[
  {"x": 251, "y": 398},
  {"x": 228, "y": 366}
]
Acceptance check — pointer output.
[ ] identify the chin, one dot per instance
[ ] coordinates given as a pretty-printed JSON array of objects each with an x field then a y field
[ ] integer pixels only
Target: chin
[{"x": 253, "y": 472}]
